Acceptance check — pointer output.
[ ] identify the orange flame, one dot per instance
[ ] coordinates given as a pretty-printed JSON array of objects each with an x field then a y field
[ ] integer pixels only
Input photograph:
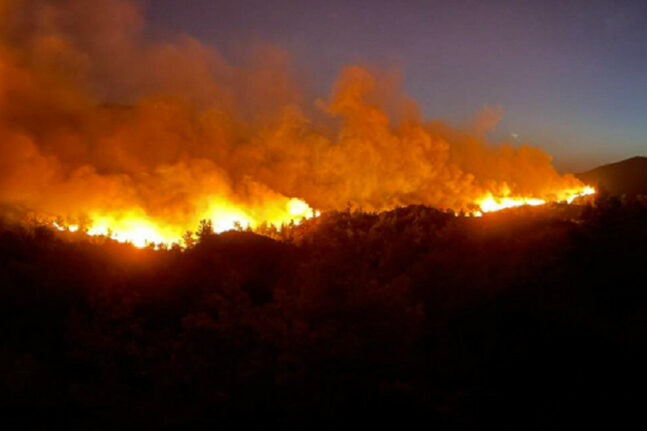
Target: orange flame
[
  {"x": 140, "y": 141},
  {"x": 140, "y": 230},
  {"x": 136, "y": 228},
  {"x": 490, "y": 203}
]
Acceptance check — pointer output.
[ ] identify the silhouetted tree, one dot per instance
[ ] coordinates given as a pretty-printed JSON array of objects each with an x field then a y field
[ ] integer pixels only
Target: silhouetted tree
[{"x": 205, "y": 230}]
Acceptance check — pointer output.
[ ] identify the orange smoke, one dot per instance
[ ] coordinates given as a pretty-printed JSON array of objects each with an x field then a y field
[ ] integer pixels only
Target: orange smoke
[{"x": 106, "y": 131}]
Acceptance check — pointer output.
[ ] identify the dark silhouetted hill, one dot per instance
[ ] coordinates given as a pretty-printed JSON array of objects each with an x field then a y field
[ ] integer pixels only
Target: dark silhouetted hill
[
  {"x": 532, "y": 318},
  {"x": 626, "y": 177}
]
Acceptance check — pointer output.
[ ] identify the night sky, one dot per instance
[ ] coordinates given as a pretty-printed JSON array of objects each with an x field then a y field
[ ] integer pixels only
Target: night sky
[{"x": 571, "y": 76}]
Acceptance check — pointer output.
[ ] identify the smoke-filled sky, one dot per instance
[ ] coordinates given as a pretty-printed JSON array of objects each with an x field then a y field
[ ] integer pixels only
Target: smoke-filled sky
[
  {"x": 153, "y": 116},
  {"x": 571, "y": 75}
]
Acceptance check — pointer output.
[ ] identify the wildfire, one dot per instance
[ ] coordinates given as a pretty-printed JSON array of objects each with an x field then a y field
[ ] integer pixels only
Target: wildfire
[
  {"x": 136, "y": 228},
  {"x": 140, "y": 230},
  {"x": 490, "y": 203},
  {"x": 140, "y": 140}
]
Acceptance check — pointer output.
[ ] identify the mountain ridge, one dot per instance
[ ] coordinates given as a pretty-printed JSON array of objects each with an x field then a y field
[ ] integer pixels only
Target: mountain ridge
[{"x": 626, "y": 177}]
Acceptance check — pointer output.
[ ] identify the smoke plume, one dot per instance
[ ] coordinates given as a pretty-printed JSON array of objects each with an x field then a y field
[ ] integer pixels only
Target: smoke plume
[{"x": 98, "y": 121}]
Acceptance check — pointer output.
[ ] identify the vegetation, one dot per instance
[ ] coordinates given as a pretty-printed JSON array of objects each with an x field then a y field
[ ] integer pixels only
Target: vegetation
[{"x": 529, "y": 318}]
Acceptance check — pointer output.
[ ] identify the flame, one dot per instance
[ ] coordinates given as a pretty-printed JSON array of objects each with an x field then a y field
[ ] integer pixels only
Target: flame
[
  {"x": 139, "y": 140},
  {"x": 139, "y": 229},
  {"x": 490, "y": 203},
  {"x": 132, "y": 227},
  {"x": 574, "y": 194}
]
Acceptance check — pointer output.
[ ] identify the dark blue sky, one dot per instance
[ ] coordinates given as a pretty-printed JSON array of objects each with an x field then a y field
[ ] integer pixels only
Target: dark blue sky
[{"x": 570, "y": 75}]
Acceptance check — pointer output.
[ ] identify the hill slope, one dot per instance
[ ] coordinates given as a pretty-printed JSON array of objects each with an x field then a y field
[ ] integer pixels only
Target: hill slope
[
  {"x": 625, "y": 177},
  {"x": 532, "y": 316}
]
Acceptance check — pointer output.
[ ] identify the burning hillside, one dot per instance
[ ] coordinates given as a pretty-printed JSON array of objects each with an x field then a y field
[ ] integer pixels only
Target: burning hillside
[{"x": 104, "y": 131}]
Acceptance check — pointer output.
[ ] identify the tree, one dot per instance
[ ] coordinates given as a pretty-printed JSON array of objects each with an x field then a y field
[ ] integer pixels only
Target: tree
[
  {"x": 188, "y": 238},
  {"x": 205, "y": 230}
]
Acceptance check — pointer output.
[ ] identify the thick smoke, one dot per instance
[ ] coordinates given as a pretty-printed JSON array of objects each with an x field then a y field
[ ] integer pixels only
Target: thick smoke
[{"x": 95, "y": 118}]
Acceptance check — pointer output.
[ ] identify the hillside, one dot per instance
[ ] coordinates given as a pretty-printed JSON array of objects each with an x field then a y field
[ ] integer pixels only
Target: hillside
[
  {"x": 626, "y": 177},
  {"x": 527, "y": 318}
]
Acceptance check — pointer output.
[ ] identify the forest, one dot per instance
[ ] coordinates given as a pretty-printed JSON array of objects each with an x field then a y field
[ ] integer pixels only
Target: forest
[{"x": 529, "y": 318}]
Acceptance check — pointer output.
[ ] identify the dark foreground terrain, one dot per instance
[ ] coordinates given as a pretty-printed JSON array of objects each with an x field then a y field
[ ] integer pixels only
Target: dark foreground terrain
[{"x": 527, "y": 319}]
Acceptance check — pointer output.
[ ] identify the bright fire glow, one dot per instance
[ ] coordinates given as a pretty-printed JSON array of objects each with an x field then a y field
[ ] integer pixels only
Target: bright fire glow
[
  {"x": 132, "y": 227},
  {"x": 141, "y": 230},
  {"x": 491, "y": 203},
  {"x": 191, "y": 136}
]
